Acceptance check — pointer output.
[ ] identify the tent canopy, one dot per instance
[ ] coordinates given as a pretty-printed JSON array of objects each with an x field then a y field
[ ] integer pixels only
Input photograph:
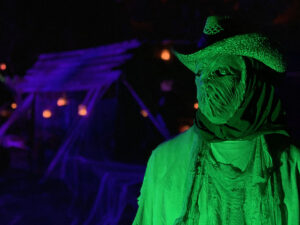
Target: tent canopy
[{"x": 75, "y": 70}]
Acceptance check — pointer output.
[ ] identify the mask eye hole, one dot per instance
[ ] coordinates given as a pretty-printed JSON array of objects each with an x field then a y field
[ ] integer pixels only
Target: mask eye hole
[{"x": 220, "y": 72}]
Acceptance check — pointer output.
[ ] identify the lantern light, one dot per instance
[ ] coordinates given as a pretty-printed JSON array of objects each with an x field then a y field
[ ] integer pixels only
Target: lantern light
[
  {"x": 196, "y": 105},
  {"x": 165, "y": 55},
  {"x": 82, "y": 111},
  {"x": 62, "y": 101},
  {"x": 13, "y": 105},
  {"x": 3, "y": 66},
  {"x": 47, "y": 113},
  {"x": 144, "y": 113}
]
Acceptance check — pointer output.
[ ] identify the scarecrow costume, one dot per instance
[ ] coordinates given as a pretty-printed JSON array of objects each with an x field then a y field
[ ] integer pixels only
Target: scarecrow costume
[{"x": 236, "y": 165}]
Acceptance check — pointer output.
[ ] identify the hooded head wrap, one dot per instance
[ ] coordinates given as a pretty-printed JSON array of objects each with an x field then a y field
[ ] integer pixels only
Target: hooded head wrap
[{"x": 253, "y": 108}]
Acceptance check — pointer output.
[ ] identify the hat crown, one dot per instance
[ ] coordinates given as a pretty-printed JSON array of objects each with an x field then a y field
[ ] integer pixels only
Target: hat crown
[{"x": 215, "y": 24}]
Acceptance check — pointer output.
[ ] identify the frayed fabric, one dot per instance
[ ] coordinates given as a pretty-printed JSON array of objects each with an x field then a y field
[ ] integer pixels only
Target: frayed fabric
[
  {"x": 177, "y": 187},
  {"x": 222, "y": 195}
]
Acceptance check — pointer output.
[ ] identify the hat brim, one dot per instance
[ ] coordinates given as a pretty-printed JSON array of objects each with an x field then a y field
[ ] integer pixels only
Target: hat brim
[{"x": 253, "y": 45}]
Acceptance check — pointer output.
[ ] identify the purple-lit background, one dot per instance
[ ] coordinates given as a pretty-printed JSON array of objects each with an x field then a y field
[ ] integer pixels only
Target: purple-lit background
[{"x": 89, "y": 89}]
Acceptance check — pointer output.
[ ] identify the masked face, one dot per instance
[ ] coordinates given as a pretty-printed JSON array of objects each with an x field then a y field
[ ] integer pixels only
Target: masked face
[{"x": 220, "y": 86}]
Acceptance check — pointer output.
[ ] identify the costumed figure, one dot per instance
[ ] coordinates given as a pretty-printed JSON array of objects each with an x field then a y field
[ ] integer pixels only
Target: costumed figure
[{"x": 236, "y": 165}]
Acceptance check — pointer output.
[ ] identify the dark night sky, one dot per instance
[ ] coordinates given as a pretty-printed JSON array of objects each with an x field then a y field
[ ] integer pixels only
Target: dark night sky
[{"x": 28, "y": 28}]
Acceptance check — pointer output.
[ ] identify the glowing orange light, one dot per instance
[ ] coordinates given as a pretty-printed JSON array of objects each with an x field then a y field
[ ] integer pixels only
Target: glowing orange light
[
  {"x": 3, "y": 66},
  {"x": 165, "y": 55},
  {"x": 196, "y": 105},
  {"x": 13, "y": 105},
  {"x": 62, "y": 101},
  {"x": 183, "y": 128},
  {"x": 82, "y": 111},
  {"x": 144, "y": 113},
  {"x": 47, "y": 113}
]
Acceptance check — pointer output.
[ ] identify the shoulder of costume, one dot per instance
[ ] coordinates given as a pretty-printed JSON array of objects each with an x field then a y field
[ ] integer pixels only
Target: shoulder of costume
[
  {"x": 176, "y": 144},
  {"x": 174, "y": 152}
]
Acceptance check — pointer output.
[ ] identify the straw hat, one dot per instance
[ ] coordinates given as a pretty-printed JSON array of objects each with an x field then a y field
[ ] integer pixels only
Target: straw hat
[{"x": 226, "y": 35}]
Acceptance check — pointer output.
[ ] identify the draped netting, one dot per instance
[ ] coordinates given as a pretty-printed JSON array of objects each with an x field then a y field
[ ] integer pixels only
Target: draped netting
[
  {"x": 102, "y": 190},
  {"x": 76, "y": 148}
]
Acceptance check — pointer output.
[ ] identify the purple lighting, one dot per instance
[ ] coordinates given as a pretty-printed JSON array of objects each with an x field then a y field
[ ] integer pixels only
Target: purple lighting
[{"x": 76, "y": 148}]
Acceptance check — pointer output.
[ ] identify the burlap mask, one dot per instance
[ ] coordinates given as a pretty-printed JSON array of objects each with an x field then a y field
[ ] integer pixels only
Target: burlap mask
[
  {"x": 237, "y": 99},
  {"x": 220, "y": 85}
]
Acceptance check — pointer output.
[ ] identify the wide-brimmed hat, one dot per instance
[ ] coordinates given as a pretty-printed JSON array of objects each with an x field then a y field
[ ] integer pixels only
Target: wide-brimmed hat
[{"x": 228, "y": 35}]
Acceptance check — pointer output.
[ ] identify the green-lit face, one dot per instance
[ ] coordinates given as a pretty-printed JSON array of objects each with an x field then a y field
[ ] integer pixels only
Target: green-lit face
[{"x": 220, "y": 85}]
